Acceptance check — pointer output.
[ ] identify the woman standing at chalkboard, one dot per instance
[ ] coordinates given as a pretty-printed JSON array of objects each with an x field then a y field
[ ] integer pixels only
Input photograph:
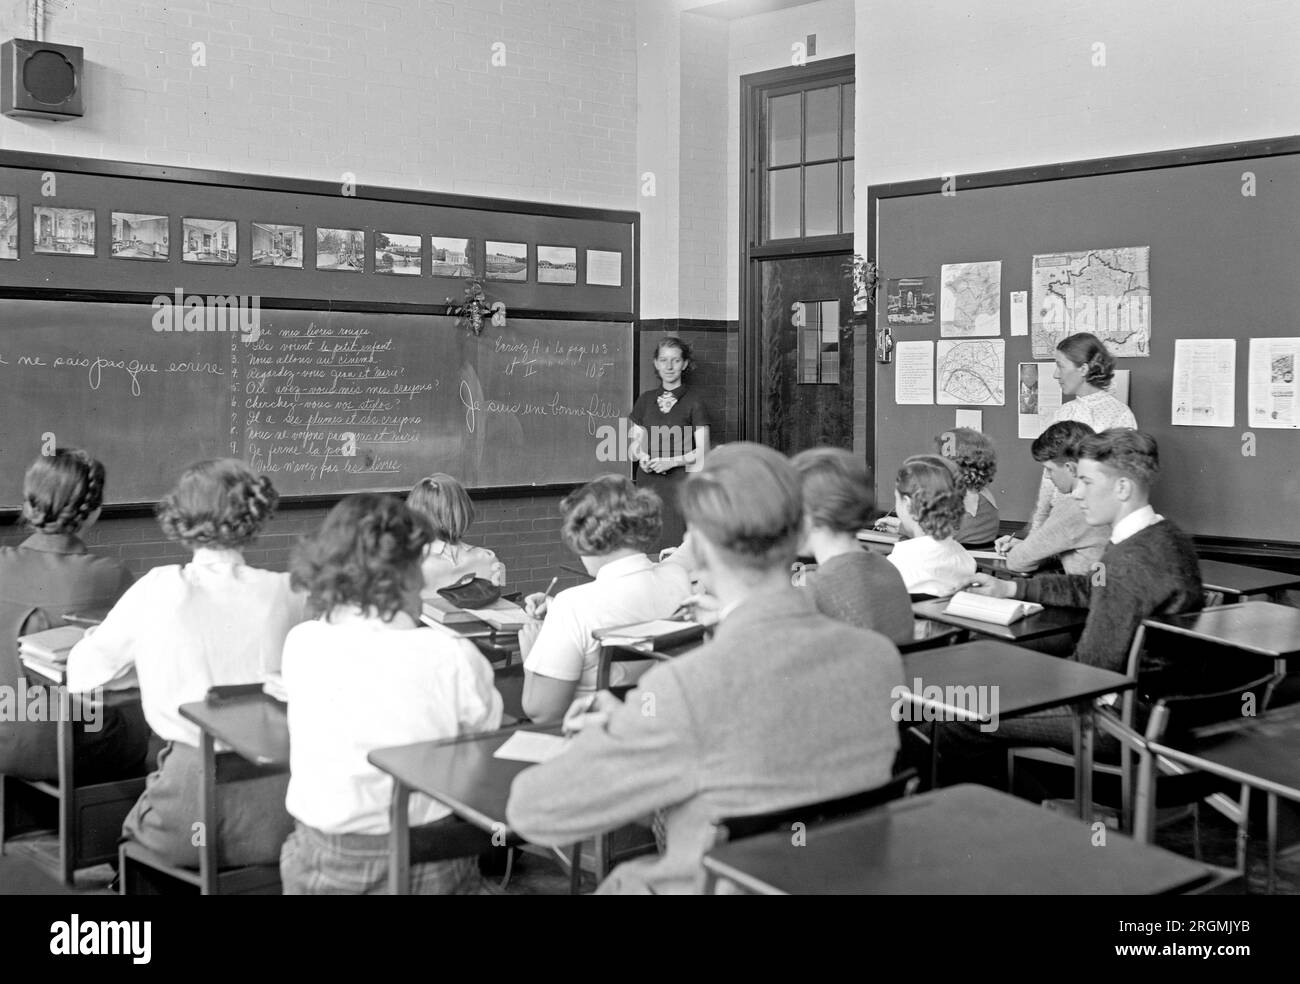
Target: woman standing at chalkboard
[
  {"x": 670, "y": 431},
  {"x": 1086, "y": 370}
]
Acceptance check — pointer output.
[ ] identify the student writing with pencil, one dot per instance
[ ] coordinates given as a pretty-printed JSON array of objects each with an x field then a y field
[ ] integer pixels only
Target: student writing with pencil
[{"x": 609, "y": 523}]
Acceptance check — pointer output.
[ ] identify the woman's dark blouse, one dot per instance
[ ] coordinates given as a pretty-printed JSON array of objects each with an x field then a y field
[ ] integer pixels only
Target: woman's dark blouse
[{"x": 672, "y": 433}]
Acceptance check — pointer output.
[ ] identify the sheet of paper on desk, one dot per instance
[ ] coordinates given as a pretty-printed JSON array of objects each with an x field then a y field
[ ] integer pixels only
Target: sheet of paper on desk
[{"x": 530, "y": 746}]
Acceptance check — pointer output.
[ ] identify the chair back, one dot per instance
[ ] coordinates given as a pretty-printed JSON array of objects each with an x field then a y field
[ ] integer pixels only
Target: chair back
[
  {"x": 1178, "y": 716},
  {"x": 738, "y": 828}
]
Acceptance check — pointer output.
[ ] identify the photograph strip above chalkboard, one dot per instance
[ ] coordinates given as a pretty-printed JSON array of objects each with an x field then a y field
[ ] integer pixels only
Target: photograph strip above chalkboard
[
  {"x": 1220, "y": 224},
  {"x": 330, "y": 383}
]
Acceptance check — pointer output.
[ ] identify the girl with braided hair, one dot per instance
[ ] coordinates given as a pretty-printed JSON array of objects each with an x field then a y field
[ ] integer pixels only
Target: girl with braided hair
[
  {"x": 46, "y": 576},
  {"x": 929, "y": 507},
  {"x": 184, "y": 628}
]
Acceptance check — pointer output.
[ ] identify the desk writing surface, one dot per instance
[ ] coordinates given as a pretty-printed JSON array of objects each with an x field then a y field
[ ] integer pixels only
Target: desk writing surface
[
  {"x": 461, "y": 773},
  {"x": 1238, "y": 579},
  {"x": 256, "y": 727},
  {"x": 1260, "y": 627},
  {"x": 1050, "y": 621},
  {"x": 1026, "y": 680},
  {"x": 1267, "y": 747},
  {"x": 960, "y": 840}
]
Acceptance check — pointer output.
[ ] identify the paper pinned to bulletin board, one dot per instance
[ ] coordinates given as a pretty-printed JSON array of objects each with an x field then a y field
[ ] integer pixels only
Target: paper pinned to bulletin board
[
  {"x": 1273, "y": 383},
  {"x": 1038, "y": 398},
  {"x": 914, "y": 373}
]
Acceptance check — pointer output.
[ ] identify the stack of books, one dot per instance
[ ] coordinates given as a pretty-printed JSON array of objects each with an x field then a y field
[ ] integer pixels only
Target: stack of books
[
  {"x": 502, "y": 615},
  {"x": 47, "y": 652}
]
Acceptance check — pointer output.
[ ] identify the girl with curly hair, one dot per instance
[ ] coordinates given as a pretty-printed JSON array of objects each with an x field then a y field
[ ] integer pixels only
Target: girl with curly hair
[
  {"x": 976, "y": 461},
  {"x": 366, "y": 651},
  {"x": 46, "y": 576},
  {"x": 184, "y": 628},
  {"x": 445, "y": 504},
  {"x": 610, "y": 523},
  {"x": 929, "y": 508}
]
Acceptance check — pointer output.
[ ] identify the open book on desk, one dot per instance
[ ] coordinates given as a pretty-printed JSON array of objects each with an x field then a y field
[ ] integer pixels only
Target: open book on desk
[
  {"x": 981, "y": 608},
  {"x": 659, "y": 633},
  {"x": 877, "y": 536}
]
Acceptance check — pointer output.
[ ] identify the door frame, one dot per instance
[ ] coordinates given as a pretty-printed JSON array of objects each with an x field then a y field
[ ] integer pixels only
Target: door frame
[{"x": 752, "y": 89}]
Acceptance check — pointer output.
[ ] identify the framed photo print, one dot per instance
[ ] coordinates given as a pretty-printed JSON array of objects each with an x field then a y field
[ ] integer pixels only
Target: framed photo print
[
  {"x": 63, "y": 231},
  {"x": 506, "y": 261},
  {"x": 343, "y": 250},
  {"x": 8, "y": 227},
  {"x": 277, "y": 245},
  {"x": 451, "y": 257},
  {"x": 141, "y": 236},
  {"x": 398, "y": 254},
  {"x": 209, "y": 241},
  {"x": 604, "y": 268},
  {"x": 557, "y": 264}
]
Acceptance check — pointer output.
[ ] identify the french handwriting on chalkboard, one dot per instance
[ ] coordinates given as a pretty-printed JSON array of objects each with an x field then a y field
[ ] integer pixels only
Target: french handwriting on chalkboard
[{"x": 100, "y": 369}]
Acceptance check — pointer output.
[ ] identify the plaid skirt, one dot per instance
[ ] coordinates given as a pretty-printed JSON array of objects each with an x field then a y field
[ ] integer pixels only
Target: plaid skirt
[{"x": 313, "y": 862}]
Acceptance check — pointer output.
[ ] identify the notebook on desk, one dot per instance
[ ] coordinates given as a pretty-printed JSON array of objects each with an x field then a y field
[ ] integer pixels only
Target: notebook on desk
[
  {"x": 659, "y": 633},
  {"x": 51, "y": 645}
]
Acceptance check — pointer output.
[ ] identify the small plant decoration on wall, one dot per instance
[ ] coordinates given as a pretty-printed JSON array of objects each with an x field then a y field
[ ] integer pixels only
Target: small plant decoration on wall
[
  {"x": 866, "y": 278},
  {"x": 471, "y": 312}
]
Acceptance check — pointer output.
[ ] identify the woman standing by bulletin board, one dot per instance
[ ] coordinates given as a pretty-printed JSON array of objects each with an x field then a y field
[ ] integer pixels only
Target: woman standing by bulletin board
[{"x": 670, "y": 432}]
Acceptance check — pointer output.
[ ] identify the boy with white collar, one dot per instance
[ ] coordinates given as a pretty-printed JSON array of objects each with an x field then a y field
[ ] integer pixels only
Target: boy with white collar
[{"x": 1148, "y": 568}]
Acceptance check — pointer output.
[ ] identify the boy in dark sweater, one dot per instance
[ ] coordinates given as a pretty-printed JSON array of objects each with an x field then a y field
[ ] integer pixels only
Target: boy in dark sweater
[{"x": 1148, "y": 568}]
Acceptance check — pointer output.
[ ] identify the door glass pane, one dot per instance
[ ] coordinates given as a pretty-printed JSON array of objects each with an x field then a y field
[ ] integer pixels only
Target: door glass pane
[
  {"x": 846, "y": 140},
  {"x": 783, "y": 204},
  {"x": 783, "y": 126},
  {"x": 823, "y": 123},
  {"x": 821, "y": 199},
  {"x": 830, "y": 342},
  {"x": 846, "y": 196}
]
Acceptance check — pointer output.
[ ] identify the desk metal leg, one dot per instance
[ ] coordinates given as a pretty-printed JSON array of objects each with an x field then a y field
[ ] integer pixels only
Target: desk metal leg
[
  {"x": 934, "y": 754},
  {"x": 1083, "y": 730},
  {"x": 399, "y": 841},
  {"x": 208, "y": 814},
  {"x": 1272, "y": 841},
  {"x": 68, "y": 834}
]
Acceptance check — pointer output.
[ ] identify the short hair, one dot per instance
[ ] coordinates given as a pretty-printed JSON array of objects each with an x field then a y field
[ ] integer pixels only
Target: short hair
[
  {"x": 1131, "y": 453},
  {"x": 672, "y": 341},
  {"x": 366, "y": 553},
  {"x": 1060, "y": 441},
  {"x": 746, "y": 500},
  {"x": 933, "y": 498},
  {"x": 446, "y": 505},
  {"x": 219, "y": 502},
  {"x": 61, "y": 490},
  {"x": 974, "y": 455},
  {"x": 837, "y": 492},
  {"x": 1087, "y": 349},
  {"x": 609, "y": 513}
]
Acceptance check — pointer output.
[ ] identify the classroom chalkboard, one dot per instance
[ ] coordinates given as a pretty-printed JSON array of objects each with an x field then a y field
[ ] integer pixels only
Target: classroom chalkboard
[
  {"x": 323, "y": 401},
  {"x": 1223, "y": 264}
]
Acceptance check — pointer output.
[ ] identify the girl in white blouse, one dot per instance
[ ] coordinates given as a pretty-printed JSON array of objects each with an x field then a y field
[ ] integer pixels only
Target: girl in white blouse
[
  {"x": 930, "y": 509},
  {"x": 184, "y": 629},
  {"x": 367, "y": 675},
  {"x": 443, "y": 501},
  {"x": 1085, "y": 369}
]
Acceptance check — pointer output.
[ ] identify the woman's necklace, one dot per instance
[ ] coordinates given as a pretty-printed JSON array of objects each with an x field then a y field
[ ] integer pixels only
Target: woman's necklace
[{"x": 667, "y": 400}]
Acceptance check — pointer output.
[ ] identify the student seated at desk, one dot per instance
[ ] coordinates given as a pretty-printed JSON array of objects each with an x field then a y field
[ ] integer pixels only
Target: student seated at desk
[
  {"x": 1148, "y": 568},
  {"x": 929, "y": 508},
  {"x": 46, "y": 576},
  {"x": 850, "y": 584},
  {"x": 976, "y": 462},
  {"x": 212, "y": 622},
  {"x": 445, "y": 504},
  {"x": 1065, "y": 534},
  {"x": 783, "y": 706},
  {"x": 609, "y": 523},
  {"x": 362, "y": 676}
]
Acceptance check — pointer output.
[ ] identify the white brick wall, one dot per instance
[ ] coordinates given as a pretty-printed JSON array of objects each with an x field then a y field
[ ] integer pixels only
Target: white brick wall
[
  {"x": 401, "y": 93},
  {"x": 994, "y": 84}
]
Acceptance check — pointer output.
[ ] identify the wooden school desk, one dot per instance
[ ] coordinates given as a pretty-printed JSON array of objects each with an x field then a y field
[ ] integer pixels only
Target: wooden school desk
[
  {"x": 1024, "y": 682},
  {"x": 1261, "y": 628},
  {"x": 1260, "y": 752},
  {"x": 1238, "y": 581},
  {"x": 964, "y": 840},
  {"x": 460, "y": 773},
  {"x": 1052, "y": 620},
  {"x": 255, "y": 727}
]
